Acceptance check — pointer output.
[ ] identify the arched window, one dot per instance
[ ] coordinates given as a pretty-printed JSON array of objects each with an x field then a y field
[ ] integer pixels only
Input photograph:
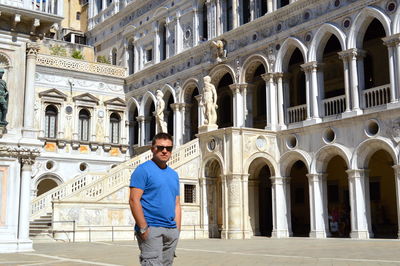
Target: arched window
[
  {"x": 163, "y": 41},
  {"x": 114, "y": 57},
  {"x": 51, "y": 122},
  {"x": 204, "y": 34},
  {"x": 84, "y": 125},
  {"x": 115, "y": 121}
]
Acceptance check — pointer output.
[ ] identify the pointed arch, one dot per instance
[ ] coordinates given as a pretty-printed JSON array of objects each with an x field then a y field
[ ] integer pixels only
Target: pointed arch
[
  {"x": 361, "y": 23},
  {"x": 187, "y": 90},
  {"x": 289, "y": 158},
  {"x": 320, "y": 39},
  {"x": 169, "y": 88},
  {"x": 367, "y": 148},
  {"x": 147, "y": 99},
  {"x": 286, "y": 50},
  {"x": 219, "y": 71},
  {"x": 250, "y": 62},
  {"x": 160, "y": 11},
  {"x": 132, "y": 102},
  {"x": 326, "y": 153}
]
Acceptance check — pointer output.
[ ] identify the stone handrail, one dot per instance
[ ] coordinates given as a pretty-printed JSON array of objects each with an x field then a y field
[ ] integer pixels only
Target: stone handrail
[
  {"x": 42, "y": 203},
  {"x": 335, "y": 105},
  {"x": 377, "y": 96},
  {"x": 80, "y": 65},
  {"x": 111, "y": 183},
  {"x": 297, "y": 113}
]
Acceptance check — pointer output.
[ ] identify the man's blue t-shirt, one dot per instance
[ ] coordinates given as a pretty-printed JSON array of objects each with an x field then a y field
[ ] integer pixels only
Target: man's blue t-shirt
[{"x": 160, "y": 188}]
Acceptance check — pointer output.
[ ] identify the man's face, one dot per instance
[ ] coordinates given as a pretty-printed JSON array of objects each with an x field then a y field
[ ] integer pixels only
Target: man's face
[{"x": 160, "y": 153}]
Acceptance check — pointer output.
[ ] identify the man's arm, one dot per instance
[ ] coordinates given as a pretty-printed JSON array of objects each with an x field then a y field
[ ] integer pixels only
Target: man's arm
[
  {"x": 178, "y": 213},
  {"x": 136, "y": 208}
]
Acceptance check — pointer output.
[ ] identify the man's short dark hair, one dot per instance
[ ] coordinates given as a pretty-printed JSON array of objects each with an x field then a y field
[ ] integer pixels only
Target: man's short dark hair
[{"x": 162, "y": 135}]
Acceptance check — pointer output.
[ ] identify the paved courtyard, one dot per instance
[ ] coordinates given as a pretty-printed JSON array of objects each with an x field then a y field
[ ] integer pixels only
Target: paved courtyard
[{"x": 257, "y": 251}]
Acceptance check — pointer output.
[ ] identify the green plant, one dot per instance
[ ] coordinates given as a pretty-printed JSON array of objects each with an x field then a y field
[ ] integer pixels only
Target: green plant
[
  {"x": 102, "y": 59},
  {"x": 77, "y": 54},
  {"x": 58, "y": 50}
]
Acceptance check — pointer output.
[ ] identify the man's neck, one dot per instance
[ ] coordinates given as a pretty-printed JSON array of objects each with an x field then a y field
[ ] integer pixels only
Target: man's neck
[{"x": 162, "y": 165}]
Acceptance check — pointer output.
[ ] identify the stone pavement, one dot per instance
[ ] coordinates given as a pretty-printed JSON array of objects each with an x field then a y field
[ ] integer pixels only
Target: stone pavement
[{"x": 257, "y": 251}]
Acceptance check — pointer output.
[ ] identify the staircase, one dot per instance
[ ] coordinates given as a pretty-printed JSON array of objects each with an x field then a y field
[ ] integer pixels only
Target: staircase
[
  {"x": 96, "y": 186},
  {"x": 40, "y": 229}
]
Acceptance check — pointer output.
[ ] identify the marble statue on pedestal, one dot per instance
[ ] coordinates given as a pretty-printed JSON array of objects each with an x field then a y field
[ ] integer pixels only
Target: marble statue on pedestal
[
  {"x": 3, "y": 99},
  {"x": 159, "y": 113},
  {"x": 221, "y": 52},
  {"x": 209, "y": 102}
]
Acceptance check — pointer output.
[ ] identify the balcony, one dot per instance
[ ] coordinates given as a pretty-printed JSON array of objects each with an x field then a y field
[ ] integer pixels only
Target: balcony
[
  {"x": 53, "y": 7},
  {"x": 377, "y": 96},
  {"x": 335, "y": 105},
  {"x": 297, "y": 113}
]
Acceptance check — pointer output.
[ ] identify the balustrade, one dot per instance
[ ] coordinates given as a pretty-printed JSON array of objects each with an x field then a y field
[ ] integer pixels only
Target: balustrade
[
  {"x": 335, "y": 105},
  {"x": 377, "y": 96},
  {"x": 297, "y": 113}
]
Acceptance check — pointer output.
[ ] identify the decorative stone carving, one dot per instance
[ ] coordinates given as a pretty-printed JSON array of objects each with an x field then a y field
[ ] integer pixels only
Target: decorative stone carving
[
  {"x": 25, "y": 154},
  {"x": 209, "y": 102},
  {"x": 219, "y": 45},
  {"x": 159, "y": 113}
]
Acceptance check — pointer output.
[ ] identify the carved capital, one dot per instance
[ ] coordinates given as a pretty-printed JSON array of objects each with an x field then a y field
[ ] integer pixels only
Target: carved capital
[
  {"x": 311, "y": 66},
  {"x": 352, "y": 53},
  {"x": 24, "y": 154},
  {"x": 32, "y": 49}
]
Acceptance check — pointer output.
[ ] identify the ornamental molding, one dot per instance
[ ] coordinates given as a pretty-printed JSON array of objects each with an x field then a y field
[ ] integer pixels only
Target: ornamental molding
[
  {"x": 25, "y": 154},
  {"x": 80, "y": 66}
]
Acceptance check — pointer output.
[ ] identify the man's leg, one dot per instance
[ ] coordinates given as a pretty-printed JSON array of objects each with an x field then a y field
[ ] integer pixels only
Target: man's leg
[
  {"x": 170, "y": 240},
  {"x": 151, "y": 248}
]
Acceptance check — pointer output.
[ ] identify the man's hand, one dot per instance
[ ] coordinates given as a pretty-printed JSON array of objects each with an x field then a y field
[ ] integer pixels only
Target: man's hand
[{"x": 145, "y": 235}]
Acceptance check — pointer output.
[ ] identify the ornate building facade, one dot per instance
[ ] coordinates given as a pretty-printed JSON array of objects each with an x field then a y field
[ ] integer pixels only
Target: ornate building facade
[{"x": 307, "y": 131}]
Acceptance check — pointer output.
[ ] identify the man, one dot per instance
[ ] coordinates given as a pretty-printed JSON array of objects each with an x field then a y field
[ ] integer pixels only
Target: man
[{"x": 155, "y": 205}]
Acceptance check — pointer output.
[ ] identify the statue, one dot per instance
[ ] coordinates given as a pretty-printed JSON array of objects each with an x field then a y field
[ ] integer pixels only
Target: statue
[
  {"x": 3, "y": 99},
  {"x": 209, "y": 102},
  {"x": 159, "y": 113},
  {"x": 221, "y": 52}
]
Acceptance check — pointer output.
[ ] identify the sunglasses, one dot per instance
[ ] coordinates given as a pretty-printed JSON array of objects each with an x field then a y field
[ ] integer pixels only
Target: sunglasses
[{"x": 161, "y": 148}]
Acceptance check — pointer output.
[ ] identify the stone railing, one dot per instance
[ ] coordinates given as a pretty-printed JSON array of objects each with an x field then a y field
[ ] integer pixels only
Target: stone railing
[
  {"x": 377, "y": 96},
  {"x": 91, "y": 186},
  {"x": 53, "y": 7},
  {"x": 335, "y": 105},
  {"x": 111, "y": 183},
  {"x": 80, "y": 65},
  {"x": 297, "y": 113}
]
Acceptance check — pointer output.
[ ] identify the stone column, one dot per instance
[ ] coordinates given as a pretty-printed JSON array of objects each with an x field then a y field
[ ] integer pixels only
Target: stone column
[
  {"x": 346, "y": 74},
  {"x": 317, "y": 203},
  {"x": 245, "y": 207},
  {"x": 24, "y": 243},
  {"x": 271, "y": 4},
  {"x": 184, "y": 108},
  {"x": 358, "y": 182},
  {"x": 397, "y": 180},
  {"x": 391, "y": 51},
  {"x": 28, "y": 130},
  {"x": 211, "y": 18},
  {"x": 238, "y": 104},
  {"x": 234, "y": 207},
  {"x": 157, "y": 41},
  {"x": 397, "y": 72},
  {"x": 271, "y": 99},
  {"x": 307, "y": 71},
  {"x": 196, "y": 27},
  {"x": 235, "y": 17},
  {"x": 286, "y": 189},
  {"x": 177, "y": 124},
  {"x": 279, "y": 207},
  {"x": 280, "y": 109},
  {"x": 314, "y": 95},
  {"x": 204, "y": 206},
  {"x": 355, "y": 89},
  {"x": 178, "y": 33},
  {"x": 142, "y": 130}
]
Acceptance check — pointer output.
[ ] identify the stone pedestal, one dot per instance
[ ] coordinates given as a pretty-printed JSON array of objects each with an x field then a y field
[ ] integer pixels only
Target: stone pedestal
[
  {"x": 2, "y": 130},
  {"x": 207, "y": 128}
]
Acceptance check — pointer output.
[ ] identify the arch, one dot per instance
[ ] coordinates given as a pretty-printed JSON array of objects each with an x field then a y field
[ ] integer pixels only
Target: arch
[
  {"x": 56, "y": 178},
  {"x": 187, "y": 90},
  {"x": 286, "y": 50},
  {"x": 265, "y": 157},
  {"x": 250, "y": 65},
  {"x": 289, "y": 158},
  {"x": 5, "y": 60},
  {"x": 326, "y": 153},
  {"x": 216, "y": 157},
  {"x": 219, "y": 71},
  {"x": 132, "y": 102},
  {"x": 361, "y": 23},
  {"x": 159, "y": 11},
  {"x": 145, "y": 103},
  {"x": 367, "y": 148},
  {"x": 320, "y": 39},
  {"x": 168, "y": 87}
]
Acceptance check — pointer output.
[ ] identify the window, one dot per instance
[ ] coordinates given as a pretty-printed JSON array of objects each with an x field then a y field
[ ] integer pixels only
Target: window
[
  {"x": 205, "y": 24},
  {"x": 78, "y": 15},
  {"x": 190, "y": 193},
  {"x": 115, "y": 127},
  {"x": 84, "y": 125},
  {"x": 149, "y": 55},
  {"x": 163, "y": 43},
  {"x": 114, "y": 56},
  {"x": 51, "y": 122}
]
